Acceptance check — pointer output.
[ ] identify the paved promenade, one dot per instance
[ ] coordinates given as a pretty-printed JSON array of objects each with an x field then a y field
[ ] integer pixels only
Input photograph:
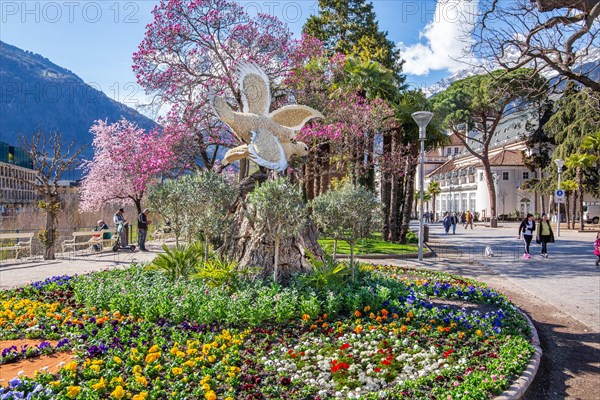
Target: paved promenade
[
  {"x": 19, "y": 273},
  {"x": 568, "y": 279}
]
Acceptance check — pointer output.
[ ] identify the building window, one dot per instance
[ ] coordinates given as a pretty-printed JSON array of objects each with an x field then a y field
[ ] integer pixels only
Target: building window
[
  {"x": 456, "y": 150},
  {"x": 505, "y": 176},
  {"x": 463, "y": 202},
  {"x": 472, "y": 202},
  {"x": 448, "y": 151},
  {"x": 481, "y": 177},
  {"x": 525, "y": 175}
]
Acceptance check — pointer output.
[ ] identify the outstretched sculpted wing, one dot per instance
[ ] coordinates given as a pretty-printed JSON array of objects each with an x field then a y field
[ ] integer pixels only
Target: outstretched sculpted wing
[
  {"x": 254, "y": 84},
  {"x": 294, "y": 116},
  {"x": 266, "y": 151}
]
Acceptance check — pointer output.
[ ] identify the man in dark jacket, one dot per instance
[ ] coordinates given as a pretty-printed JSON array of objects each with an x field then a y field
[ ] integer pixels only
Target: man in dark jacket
[{"x": 143, "y": 223}]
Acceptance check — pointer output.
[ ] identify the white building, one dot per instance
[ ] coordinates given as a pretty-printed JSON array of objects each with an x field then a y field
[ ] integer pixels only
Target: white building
[{"x": 462, "y": 179}]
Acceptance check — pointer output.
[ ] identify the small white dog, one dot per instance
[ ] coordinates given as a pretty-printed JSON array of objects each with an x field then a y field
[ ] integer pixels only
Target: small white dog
[{"x": 489, "y": 252}]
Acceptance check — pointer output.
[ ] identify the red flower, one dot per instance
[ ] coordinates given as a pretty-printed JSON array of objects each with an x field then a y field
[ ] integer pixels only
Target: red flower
[
  {"x": 345, "y": 346},
  {"x": 447, "y": 353}
]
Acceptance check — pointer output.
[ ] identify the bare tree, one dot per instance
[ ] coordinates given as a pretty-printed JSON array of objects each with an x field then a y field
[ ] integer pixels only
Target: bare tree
[
  {"x": 557, "y": 35},
  {"x": 50, "y": 160}
]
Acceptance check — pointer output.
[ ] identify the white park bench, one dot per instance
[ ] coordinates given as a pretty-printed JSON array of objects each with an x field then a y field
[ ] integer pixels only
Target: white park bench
[
  {"x": 17, "y": 242},
  {"x": 86, "y": 240}
]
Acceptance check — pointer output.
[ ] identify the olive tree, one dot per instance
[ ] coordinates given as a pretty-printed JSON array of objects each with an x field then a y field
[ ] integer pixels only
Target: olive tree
[
  {"x": 278, "y": 209},
  {"x": 170, "y": 200},
  {"x": 209, "y": 197},
  {"x": 351, "y": 212}
]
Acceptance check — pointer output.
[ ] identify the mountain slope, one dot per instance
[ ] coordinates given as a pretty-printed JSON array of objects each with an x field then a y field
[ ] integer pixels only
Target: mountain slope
[
  {"x": 591, "y": 67},
  {"x": 37, "y": 94}
]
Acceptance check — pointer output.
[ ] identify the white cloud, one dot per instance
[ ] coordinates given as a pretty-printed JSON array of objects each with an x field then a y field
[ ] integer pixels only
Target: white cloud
[{"x": 446, "y": 38}]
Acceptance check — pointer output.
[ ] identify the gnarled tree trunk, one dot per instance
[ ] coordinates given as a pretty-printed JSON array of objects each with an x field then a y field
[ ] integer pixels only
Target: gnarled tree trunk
[{"x": 249, "y": 246}]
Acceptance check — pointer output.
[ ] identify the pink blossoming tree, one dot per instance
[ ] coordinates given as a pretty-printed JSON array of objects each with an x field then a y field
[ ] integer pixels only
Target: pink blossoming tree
[
  {"x": 191, "y": 49},
  {"x": 126, "y": 161}
]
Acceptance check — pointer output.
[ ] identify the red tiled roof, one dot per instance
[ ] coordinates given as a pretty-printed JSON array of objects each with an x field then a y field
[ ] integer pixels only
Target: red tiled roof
[
  {"x": 454, "y": 140},
  {"x": 445, "y": 167},
  {"x": 511, "y": 158}
]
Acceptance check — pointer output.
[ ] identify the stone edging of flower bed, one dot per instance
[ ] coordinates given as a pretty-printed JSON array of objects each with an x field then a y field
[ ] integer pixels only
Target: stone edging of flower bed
[{"x": 519, "y": 387}]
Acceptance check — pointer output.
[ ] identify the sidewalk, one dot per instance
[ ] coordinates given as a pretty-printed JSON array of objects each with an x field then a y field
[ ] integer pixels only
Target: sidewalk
[
  {"x": 568, "y": 279},
  {"x": 17, "y": 273}
]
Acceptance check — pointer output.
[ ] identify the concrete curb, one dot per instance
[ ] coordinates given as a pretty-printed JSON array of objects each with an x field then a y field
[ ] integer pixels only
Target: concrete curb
[{"x": 519, "y": 387}]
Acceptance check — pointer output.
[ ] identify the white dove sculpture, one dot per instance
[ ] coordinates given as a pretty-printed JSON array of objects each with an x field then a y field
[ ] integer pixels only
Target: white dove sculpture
[{"x": 269, "y": 137}]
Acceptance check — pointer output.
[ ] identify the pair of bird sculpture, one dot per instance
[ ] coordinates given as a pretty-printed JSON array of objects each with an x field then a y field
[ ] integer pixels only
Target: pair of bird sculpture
[{"x": 269, "y": 137}]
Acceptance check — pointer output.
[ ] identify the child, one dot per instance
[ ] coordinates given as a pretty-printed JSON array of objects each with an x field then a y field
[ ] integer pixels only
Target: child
[{"x": 597, "y": 249}]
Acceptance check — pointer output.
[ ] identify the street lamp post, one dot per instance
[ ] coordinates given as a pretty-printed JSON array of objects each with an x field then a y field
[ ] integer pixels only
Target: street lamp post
[
  {"x": 559, "y": 163},
  {"x": 422, "y": 118}
]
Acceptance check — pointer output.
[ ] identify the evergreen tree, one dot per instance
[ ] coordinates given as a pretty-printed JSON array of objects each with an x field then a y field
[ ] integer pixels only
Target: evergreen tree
[
  {"x": 577, "y": 117},
  {"x": 350, "y": 27}
]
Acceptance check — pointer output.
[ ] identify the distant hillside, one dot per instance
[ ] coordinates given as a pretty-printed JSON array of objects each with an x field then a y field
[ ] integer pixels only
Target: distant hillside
[{"x": 37, "y": 94}]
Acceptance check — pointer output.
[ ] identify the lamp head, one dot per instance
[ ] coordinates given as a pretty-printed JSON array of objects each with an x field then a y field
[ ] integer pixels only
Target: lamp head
[
  {"x": 559, "y": 163},
  {"x": 422, "y": 118}
]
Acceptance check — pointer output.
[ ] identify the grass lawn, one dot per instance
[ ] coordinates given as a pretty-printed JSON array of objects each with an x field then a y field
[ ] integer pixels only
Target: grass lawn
[{"x": 374, "y": 245}]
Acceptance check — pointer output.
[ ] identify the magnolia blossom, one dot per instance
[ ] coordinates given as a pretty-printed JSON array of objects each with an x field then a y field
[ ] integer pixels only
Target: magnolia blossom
[{"x": 126, "y": 160}]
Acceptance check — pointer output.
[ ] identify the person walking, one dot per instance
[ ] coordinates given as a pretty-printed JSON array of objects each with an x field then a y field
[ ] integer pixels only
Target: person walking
[
  {"x": 454, "y": 222},
  {"x": 447, "y": 222},
  {"x": 121, "y": 225},
  {"x": 143, "y": 223},
  {"x": 545, "y": 234},
  {"x": 431, "y": 217},
  {"x": 597, "y": 249},
  {"x": 469, "y": 219},
  {"x": 426, "y": 217},
  {"x": 463, "y": 218},
  {"x": 526, "y": 229}
]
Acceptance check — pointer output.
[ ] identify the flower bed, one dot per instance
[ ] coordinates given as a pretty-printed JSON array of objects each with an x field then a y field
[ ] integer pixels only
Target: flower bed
[{"x": 396, "y": 333}]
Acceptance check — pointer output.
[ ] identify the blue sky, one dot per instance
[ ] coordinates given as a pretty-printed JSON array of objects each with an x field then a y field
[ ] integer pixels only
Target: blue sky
[{"x": 95, "y": 39}]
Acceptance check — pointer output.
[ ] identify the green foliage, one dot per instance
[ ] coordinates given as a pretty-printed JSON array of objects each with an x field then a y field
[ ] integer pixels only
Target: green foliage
[
  {"x": 372, "y": 245},
  {"x": 575, "y": 126},
  {"x": 179, "y": 262},
  {"x": 471, "y": 99},
  {"x": 351, "y": 28},
  {"x": 278, "y": 209},
  {"x": 170, "y": 200},
  {"x": 195, "y": 204},
  {"x": 349, "y": 213},
  {"x": 326, "y": 273},
  {"x": 411, "y": 237},
  {"x": 217, "y": 272}
]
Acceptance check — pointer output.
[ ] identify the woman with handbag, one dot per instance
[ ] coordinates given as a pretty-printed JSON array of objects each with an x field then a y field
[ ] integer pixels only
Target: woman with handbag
[{"x": 545, "y": 235}]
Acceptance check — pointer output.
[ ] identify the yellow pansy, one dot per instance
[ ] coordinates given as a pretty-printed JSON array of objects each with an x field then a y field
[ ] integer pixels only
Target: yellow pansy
[
  {"x": 177, "y": 371},
  {"x": 100, "y": 385},
  {"x": 95, "y": 368},
  {"x": 141, "y": 380},
  {"x": 117, "y": 360},
  {"x": 118, "y": 393},
  {"x": 212, "y": 358},
  {"x": 190, "y": 364},
  {"x": 118, "y": 380},
  {"x": 141, "y": 396},
  {"x": 154, "y": 349},
  {"x": 72, "y": 366},
  {"x": 210, "y": 395},
  {"x": 73, "y": 391},
  {"x": 150, "y": 358},
  {"x": 137, "y": 369}
]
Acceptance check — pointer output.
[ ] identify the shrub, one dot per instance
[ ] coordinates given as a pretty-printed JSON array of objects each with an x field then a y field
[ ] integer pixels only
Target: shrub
[{"x": 179, "y": 262}]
